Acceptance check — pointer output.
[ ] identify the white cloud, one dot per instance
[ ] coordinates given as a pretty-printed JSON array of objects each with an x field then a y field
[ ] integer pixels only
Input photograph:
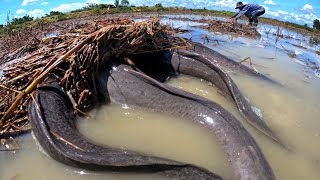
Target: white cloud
[
  {"x": 277, "y": 13},
  {"x": 301, "y": 18},
  {"x": 225, "y": 3},
  {"x": 44, "y": 3},
  {"x": 28, "y": 2},
  {"x": 68, "y": 7},
  {"x": 21, "y": 11},
  {"x": 74, "y": 6},
  {"x": 296, "y": 16},
  {"x": 209, "y": 4},
  {"x": 307, "y": 7},
  {"x": 282, "y": 12},
  {"x": 270, "y": 2},
  {"x": 309, "y": 18},
  {"x": 36, "y": 13},
  {"x": 94, "y": 1},
  {"x": 17, "y": 16},
  {"x": 266, "y": 8}
]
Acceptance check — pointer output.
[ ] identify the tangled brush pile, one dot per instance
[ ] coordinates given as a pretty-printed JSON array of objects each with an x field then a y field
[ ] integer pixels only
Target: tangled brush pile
[{"x": 75, "y": 58}]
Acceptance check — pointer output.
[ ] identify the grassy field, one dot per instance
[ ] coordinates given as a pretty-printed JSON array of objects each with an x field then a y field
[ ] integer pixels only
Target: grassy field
[{"x": 103, "y": 9}]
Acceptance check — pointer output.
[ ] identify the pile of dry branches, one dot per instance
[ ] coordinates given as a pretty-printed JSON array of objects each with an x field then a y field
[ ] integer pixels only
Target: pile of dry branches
[
  {"x": 234, "y": 28},
  {"x": 19, "y": 43},
  {"x": 74, "y": 58},
  {"x": 224, "y": 27}
]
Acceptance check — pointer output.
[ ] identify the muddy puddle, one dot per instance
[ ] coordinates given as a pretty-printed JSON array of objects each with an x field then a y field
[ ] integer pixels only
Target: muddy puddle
[{"x": 291, "y": 109}]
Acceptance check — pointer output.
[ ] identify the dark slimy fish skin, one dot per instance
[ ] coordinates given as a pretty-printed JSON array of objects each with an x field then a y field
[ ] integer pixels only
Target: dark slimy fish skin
[
  {"x": 129, "y": 87},
  {"x": 209, "y": 65},
  {"x": 54, "y": 126},
  {"x": 201, "y": 66},
  {"x": 227, "y": 63}
]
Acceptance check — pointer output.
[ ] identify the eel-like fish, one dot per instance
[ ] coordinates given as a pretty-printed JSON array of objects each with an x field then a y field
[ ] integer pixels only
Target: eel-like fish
[
  {"x": 207, "y": 64},
  {"x": 133, "y": 88},
  {"x": 199, "y": 65},
  {"x": 228, "y": 63},
  {"x": 54, "y": 126}
]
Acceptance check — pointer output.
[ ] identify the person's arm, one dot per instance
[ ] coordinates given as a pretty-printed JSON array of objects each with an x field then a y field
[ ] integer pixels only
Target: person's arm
[
  {"x": 232, "y": 19},
  {"x": 234, "y": 15},
  {"x": 242, "y": 12}
]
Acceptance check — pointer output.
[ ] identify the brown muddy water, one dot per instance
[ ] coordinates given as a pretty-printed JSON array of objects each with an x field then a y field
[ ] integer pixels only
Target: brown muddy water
[{"x": 291, "y": 110}]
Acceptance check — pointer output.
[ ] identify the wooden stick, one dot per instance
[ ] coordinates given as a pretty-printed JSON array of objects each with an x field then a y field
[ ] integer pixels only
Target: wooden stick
[{"x": 3, "y": 86}]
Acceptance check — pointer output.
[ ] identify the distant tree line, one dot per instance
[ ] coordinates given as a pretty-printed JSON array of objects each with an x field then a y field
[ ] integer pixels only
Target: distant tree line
[
  {"x": 123, "y": 6},
  {"x": 21, "y": 20},
  {"x": 117, "y": 3},
  {"x": 54, "y": 13},
  {"x": 92, "y": 6},
  {"x": 316, "y": 24}
]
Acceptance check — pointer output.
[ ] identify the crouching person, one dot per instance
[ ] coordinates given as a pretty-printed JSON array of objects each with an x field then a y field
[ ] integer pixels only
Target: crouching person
[{"x": 252, "y": 11}]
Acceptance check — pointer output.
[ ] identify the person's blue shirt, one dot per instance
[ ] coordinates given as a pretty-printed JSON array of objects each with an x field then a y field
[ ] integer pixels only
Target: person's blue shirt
[{"x": 247, "y": 10}]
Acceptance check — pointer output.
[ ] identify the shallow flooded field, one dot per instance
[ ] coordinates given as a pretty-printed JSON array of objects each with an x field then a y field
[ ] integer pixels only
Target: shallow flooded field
[{"x": 291, "y": 109}]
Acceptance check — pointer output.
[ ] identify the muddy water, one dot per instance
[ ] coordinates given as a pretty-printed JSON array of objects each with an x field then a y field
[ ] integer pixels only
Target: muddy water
[
  {"x": 129, "y": 128},
  {"x": 291, "y": 110},
  {"x": 32, "y": 163},
  {"x": 157, "y": 134},
  {"x": 287, "y": 114},
  {"x": 294, "y": 117}
]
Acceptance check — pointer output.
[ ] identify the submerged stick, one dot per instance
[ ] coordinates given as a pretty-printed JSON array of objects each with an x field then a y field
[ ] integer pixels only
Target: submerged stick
[{"x": 251, "y": 64}]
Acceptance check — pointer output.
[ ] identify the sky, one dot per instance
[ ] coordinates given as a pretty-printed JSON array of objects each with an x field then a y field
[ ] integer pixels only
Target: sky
[{"x": 297, "y": 11}]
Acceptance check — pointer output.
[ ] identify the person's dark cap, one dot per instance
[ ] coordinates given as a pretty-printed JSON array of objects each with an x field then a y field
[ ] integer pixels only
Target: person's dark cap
[{"x": 239, "y": 5}]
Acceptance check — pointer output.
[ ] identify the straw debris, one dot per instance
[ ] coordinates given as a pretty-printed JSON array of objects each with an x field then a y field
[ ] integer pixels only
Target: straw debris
[
  {"x": 224, "y": 27},
  {"x": 74, "y": 58},
  {"x": 231, "y": 28}
]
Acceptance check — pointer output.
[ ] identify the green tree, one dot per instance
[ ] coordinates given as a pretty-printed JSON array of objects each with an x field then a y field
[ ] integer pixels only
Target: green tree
[
  {"x": 316, "y": 24},
  {"x": 89, "y": 6},
  {"x": 2, "y": 29},
  {"x": 159, "y": 5},
  {"x": 125, "y": 3},
  {"x": 54, "y": 13},
  {"x": 116, "y": 3},
  {"x": 21, "y": 20}
]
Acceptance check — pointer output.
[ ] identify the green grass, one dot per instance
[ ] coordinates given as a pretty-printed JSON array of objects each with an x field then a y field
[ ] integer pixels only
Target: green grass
[{"x": 102, "y": 9}]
